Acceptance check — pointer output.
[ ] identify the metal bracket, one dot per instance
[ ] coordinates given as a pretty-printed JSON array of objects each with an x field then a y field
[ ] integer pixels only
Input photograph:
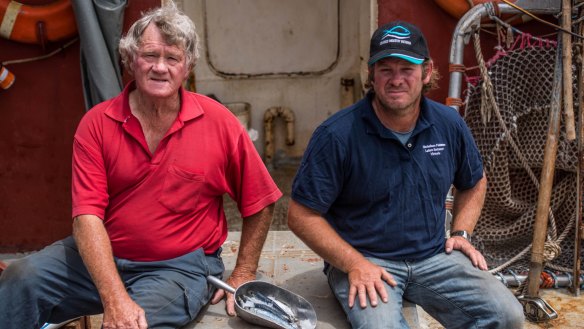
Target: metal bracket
[{"x": 536, "y": 309}]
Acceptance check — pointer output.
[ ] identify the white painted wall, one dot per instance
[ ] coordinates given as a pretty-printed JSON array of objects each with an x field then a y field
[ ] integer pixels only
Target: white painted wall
[{"x": 290, "y": 53}]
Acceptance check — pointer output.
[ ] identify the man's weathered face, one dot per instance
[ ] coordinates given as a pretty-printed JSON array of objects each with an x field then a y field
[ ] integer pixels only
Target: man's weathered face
[
  {"x": 398, "y": 83},
  {"x": 159, "y": 68}
]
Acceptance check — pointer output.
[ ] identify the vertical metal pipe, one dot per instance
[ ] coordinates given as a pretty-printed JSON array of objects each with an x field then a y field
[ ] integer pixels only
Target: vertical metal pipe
[
  {"x": 269, "y": 116},
  {"x": 347, "y": 92}
]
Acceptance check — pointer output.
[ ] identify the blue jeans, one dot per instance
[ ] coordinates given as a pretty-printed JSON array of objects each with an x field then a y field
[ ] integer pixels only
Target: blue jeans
[
  {"x": 53, "y": 286},
  {"x": 447, "y": 287}
]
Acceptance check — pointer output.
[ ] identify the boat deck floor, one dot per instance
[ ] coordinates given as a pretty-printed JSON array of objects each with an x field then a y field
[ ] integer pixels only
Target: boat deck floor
[{"x": 288, "y": 263}]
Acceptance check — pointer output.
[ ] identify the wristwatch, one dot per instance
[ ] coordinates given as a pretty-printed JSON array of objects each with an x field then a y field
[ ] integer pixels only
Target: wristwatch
[{"x": 463, "y": 234}]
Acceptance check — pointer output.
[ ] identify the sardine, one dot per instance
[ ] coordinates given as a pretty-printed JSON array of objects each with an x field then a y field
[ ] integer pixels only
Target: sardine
[
  {"x": 270, "y": 316},
  {"x": 266, "y": 308},
  {"x": 271, "y": 302}
]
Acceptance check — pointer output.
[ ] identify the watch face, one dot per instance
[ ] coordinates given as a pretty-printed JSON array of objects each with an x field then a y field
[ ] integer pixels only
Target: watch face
[{"x": 463, "y": 234}]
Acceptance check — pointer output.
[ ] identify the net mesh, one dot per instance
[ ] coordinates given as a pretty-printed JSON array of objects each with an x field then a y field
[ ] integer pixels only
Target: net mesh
[{"x": 522, "y": 80}]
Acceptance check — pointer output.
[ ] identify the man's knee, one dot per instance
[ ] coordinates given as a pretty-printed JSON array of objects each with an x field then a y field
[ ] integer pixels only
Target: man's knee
[
  {"x": 21, "y": 274},
  {"x": 513, "y": 316},
  {"x": 170, "y": 298},
  {"x": 384, "y": 315},
  {"x": 504, "y": 313}
]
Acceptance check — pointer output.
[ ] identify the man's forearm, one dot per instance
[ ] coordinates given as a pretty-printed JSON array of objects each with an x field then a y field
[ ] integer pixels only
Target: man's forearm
[
  {"x": 95, "y": 249},
  {"x": 253, "y": 235},
  {"x": 467, "y": 206},
  {"x": 317, "y": 233}
]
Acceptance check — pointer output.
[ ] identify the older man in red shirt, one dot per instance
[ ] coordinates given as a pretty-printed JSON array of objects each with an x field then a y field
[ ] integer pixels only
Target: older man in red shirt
[{"x": 150, "y": 168}]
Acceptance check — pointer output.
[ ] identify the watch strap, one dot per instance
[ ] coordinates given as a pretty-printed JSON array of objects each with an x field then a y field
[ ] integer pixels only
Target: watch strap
[{"x": 461, "y": 233}]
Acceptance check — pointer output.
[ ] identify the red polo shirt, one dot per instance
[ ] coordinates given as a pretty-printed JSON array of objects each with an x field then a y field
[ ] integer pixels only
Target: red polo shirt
[{"x": 166, "y": 204}]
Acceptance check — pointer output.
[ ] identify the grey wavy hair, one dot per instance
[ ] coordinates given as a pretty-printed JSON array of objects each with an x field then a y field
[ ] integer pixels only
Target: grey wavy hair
[{"x": 176, "y": 28}]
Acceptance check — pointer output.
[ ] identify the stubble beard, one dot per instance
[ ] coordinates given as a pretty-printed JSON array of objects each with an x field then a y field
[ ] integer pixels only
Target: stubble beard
[{"x": 396, "y": 107}]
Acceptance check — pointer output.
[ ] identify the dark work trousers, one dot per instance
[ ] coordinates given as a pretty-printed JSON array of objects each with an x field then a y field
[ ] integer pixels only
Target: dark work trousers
[{"x": 53, "y": 286}]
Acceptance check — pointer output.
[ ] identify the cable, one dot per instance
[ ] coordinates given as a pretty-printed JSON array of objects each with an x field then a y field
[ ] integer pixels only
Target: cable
[
  {"x": 541, "y": 20},
  {"x": 32, "y": 59}
]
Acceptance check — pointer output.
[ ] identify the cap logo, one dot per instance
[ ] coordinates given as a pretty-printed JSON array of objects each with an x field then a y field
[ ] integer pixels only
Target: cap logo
[
  {"x": 398, "y": 39},
  {"x": 396, "y": 34}
]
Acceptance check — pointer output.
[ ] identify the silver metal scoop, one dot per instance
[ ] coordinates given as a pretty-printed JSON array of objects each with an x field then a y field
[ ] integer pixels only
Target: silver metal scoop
[{"x": 268, "y": 305}]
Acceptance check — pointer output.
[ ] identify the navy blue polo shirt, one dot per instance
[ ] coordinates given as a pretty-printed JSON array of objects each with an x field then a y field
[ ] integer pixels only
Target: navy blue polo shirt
[{"x": 385, "y": 198}]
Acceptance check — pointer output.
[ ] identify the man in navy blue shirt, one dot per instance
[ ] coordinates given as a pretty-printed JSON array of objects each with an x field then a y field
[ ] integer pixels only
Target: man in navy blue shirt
[{"x": 369, "y": 197}]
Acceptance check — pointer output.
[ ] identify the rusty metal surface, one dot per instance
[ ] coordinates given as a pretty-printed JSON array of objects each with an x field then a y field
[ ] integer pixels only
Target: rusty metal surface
[{"x": 570, "y": 310}]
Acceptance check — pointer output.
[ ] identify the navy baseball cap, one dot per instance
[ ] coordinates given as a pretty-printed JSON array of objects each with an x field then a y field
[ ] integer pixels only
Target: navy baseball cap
[{"x": 398, "y": 39}]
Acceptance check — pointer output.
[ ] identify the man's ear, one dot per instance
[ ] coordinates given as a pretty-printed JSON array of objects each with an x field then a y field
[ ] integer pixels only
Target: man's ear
[
  {"x": 130, "y": 67},
  {"x": 429, "y": 68},
  {"x": 188, "y": 72}
]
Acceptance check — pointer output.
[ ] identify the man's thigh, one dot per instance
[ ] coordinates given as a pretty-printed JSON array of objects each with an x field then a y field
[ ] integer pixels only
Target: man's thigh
[
  {"x": 172, "y": 292},
  {"x": 384, "y": 315},
  {"x": 459, "y": 295}
]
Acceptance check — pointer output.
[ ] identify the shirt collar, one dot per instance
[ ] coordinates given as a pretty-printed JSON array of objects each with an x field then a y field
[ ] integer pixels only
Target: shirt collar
[
  {"x": 374, "y": 125},
  {"x": 119, "y": 109}
]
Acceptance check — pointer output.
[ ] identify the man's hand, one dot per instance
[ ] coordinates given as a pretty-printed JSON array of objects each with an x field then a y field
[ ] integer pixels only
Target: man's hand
[
  {"x": 366, "y": 280},
  {"x": 462, "y": 244},
  {"x": 124, "y": 314},
  {"x": 236, "y": 279},
  {"x": 120, "y": 311}
]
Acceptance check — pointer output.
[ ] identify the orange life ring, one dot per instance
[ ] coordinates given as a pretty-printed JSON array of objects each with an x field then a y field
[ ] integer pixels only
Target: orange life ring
[
  {"x": 457, "y": 9},
  {"x": 37, "y": 24}
]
